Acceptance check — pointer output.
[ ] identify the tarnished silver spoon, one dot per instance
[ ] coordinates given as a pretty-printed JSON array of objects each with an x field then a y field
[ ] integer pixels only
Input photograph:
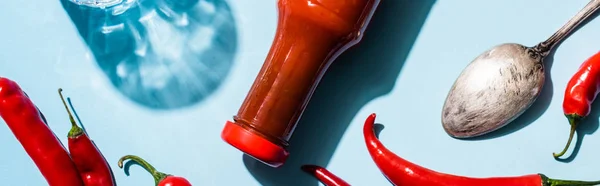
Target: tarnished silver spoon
[{"x": 500, "y": 84}]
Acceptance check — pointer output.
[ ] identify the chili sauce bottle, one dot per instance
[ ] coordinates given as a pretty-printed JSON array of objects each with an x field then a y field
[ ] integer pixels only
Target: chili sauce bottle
[{"x": 310, "y": 35}]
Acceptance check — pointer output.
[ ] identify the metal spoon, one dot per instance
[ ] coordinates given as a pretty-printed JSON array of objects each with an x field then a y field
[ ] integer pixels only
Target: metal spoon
[{"x": 500, "y": 84}]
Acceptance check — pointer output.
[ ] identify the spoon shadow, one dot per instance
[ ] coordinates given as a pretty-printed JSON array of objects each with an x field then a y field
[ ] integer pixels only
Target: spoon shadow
[{"x": 586, "y": 127}]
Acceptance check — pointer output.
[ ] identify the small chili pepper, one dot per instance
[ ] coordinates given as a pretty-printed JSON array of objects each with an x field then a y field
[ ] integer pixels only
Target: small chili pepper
[
  {"x": 402, "y": 172},
  {"x": 324, "y": 176},
  {"x": 90, "y": 162},
  {"x": 161, "y": 179},
  {"x": 581, "y": 91},
  {"x": 41, "y": 144}
]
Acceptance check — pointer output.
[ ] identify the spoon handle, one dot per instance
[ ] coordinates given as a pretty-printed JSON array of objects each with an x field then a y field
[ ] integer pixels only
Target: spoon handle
[{"x": 565, "y": 30}]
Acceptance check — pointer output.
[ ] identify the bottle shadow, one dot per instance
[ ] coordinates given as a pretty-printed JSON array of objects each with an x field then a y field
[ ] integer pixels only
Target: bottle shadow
[
  {"x": 161, "y": 54},
  {"x": 541, "y": 104},
  {"x": 359, "y": 75}
]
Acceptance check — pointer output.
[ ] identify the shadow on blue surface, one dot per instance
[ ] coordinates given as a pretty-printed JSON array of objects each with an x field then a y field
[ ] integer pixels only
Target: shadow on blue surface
[
  {"x": 128, "y": 165},
  {"x": 539, "y": 107},
  {"x": 161, "y": 54},
  {"x": 76, "y": 115},
  {"x": 359, "y": 75}
]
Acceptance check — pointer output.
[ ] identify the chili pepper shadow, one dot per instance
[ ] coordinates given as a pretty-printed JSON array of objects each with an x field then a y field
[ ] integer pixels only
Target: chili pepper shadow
[
  {"x": 76, "y": 115},
  {"x": 359, "y": 75},
  {"x": 378, "y": 127},
  {"x": 586, "y": 127},
  {"x": 38, "y": 109},
  {"x": 128, "y": 165},
  {"x": 541, "y": 104}
]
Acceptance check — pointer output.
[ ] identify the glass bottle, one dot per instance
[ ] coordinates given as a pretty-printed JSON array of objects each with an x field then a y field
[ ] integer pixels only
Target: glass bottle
[{"x": 310, "y": 35}]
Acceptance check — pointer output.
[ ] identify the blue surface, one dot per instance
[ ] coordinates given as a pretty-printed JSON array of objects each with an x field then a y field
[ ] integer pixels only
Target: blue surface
[{"x": 402, "y": 71}]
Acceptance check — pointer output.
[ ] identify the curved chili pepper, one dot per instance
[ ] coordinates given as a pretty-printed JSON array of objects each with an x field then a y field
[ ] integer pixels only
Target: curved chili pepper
[
  {"x": 324, "y": 176},
  {"x": 581, "y": 91},
  {"x": 402, "y": 172},
  {"x": 41, "y": 144},
  {"x": 161, "y": 179},
  {"x": 88, "y": 159}
]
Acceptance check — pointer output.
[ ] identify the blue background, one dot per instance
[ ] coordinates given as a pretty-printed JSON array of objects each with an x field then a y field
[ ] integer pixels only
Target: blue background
[{"x": 403, "y": 69}]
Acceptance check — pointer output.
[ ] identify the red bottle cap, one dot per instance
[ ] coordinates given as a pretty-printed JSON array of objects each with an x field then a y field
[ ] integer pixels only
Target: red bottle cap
[{"x": 254, "y": 145}]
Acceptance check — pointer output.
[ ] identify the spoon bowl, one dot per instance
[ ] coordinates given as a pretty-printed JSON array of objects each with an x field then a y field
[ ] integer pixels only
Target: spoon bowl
[
  {"x": 493, "y": 90},
  {"x": 502, "y": 83}
]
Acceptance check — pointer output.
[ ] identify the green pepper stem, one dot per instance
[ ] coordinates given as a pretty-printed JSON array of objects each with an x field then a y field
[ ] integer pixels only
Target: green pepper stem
[
  {"x": 554, "y": 182},
  {"x": 574, "y": 121},
  {"x": 158, "y": 176},
  {"x": 75, "y": 130},
  {"x": 568, "y": 143}
]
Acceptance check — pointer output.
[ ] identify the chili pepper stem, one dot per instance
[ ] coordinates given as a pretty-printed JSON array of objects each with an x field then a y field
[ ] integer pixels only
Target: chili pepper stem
[
  {"x": 554, "y": 182},
  {"x": 158, "y": 176},
  {"x": 75, "y": 129},
  {"x": 574, "y": 121}
]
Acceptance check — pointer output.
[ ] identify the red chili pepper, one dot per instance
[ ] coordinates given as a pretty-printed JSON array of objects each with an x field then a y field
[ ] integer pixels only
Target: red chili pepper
[
  {"x": 41, "y": 144},
  {"x": 402, "y": 172},
  {"x": 90, "y": 162},
  {"x": 324, "y": 176},
  {"x": 161, "y": 179},
  {"x": 580, "y": 93}
]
